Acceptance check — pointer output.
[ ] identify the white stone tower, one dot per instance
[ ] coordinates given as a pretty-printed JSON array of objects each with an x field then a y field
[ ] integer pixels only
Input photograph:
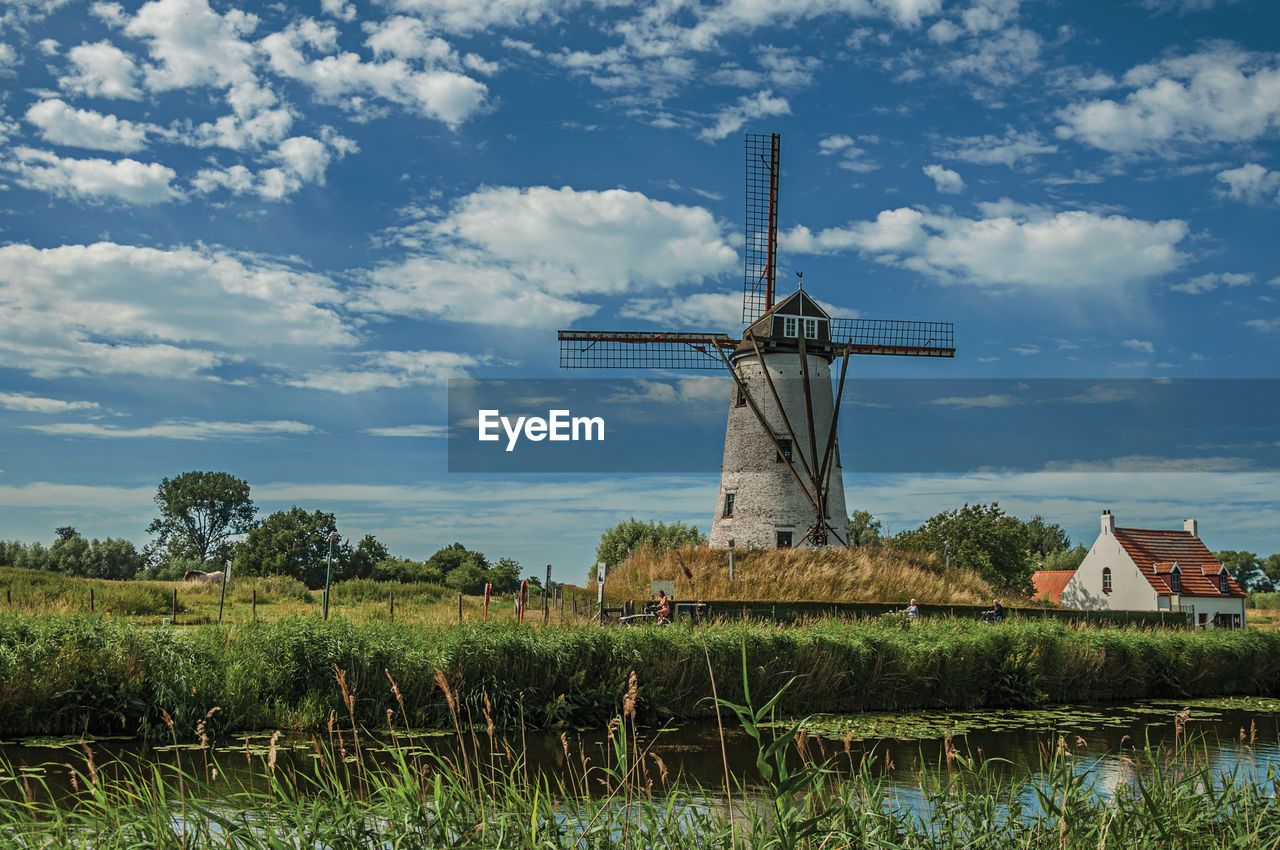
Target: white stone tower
[
  {"x": 781, "y": 483},
  {"x": 773, "y": 478}
]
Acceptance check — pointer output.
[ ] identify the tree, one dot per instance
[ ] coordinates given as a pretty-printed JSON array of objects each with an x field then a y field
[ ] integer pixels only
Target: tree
[
  {"x": 292, "y": 543},
  {"x": 864, "y": 529},
  {"x": 1067, "y": 559},
  {"x": 199, "y": 514},
  {"x": 1045, "y": 539},
  {"x": 1271, "y": 566},
  {"x": 505, "y": 576},
  {"x": 626, "y": 537},
  {"x": 369, "y": 552},
  {"x": 981, "y": 538},
  {"x": 1246, "y": 568}
]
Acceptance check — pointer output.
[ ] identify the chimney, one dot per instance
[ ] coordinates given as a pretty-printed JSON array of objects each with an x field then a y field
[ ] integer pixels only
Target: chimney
[
  {"x": 1190, "y": 525},
  {"x": 1108, "y": 522}
]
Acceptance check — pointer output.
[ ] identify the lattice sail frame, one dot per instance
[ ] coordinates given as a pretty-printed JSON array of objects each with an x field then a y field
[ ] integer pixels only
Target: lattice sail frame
[
  {"x": 671, "y": 350},
  {"x": 642, "y": 350},
  {"x": 761, "y": 248}
]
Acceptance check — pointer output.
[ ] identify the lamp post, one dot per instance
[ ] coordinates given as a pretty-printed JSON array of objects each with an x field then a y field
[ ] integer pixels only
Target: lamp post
[
  {"x": 730, "y": 559},
  {"x": 328, "y": 573}
]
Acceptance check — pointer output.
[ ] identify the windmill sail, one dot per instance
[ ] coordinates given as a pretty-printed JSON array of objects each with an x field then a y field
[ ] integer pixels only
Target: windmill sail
[
  {"x": 642, "y": 350},
  {"x": 761, "y": 247},
  {"x": 896, "y": 337}
]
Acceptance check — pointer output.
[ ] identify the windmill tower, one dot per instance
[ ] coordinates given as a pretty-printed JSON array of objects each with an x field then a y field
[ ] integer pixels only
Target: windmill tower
[{"x": 781, "y": 484}]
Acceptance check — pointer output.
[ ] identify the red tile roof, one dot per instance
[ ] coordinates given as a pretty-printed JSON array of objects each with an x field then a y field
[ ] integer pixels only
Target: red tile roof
[
  {"x": 1156, "y": 551},
  {"x": 1049, "y": 584}
]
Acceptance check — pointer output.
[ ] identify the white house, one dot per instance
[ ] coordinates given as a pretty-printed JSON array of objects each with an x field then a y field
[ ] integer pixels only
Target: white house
[{"x": 1140, "y": 569}]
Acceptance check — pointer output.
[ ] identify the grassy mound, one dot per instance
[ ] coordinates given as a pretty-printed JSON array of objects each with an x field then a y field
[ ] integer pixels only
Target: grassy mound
[{"x": 796, "y": 575}]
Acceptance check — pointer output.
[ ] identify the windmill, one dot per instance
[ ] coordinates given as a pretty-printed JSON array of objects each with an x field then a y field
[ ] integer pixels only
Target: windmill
[{"x": 781, "y": 483}]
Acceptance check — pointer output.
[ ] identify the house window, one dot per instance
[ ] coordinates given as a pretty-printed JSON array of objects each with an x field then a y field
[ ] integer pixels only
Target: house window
[
  {"x": 728, "y": 503},
  {"x": 784, "y": 539},
  {"x": 785, "y": 453},
  {"x": 1106, "y": 579},
  {"x": 789, "y": 326},
  {"x": 810, "y": 328},
  {"x": 740, "y": 400},
  {"x": 1175, "y": 579}
]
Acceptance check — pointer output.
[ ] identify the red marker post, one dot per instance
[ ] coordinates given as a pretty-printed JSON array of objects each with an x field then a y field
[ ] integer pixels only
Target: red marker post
[{"x": 488, "y": 590}]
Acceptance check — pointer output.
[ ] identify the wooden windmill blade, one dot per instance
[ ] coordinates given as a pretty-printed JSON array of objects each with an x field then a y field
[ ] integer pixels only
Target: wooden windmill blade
[
  {"x": 643, "y": 350},
  {"x": 900, "y": 338},
  {"x": 761, "y": 248}
]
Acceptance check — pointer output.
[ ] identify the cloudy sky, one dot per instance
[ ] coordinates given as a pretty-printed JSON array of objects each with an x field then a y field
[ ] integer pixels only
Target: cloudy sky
[{"x": 262, "y": 238}]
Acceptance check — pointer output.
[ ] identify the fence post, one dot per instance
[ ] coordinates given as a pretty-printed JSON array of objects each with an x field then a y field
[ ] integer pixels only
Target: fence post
[
  {"x": 459, "y": 607},
  {"x": 174, "y": 614}
]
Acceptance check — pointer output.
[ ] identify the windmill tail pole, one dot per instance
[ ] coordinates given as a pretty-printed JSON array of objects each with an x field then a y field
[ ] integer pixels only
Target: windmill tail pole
[{"x": 685, "y": 569}]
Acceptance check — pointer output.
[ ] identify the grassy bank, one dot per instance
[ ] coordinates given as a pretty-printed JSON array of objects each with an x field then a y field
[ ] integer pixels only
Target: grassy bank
[
  {"x": 835, "y": 575},
  {"x": 71, "y": 674}
]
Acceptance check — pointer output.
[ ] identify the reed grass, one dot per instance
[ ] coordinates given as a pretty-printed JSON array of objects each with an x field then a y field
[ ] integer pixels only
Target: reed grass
[
  {"x": 484, "y": 798},
  {"x": 800, "y": 575},
  {"x": 62, "y": 675}
]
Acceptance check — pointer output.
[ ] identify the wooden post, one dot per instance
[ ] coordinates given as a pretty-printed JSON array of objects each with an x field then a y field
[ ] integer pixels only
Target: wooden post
[
  {"x": 392, "y": 602},
  {"x": 255, "y": 604},
  {"x": 459, "y": 607},
  {"x": 546, "y": 589},
  {"x": 91, "y": 600},
  {"x": 173, "y": 619}
]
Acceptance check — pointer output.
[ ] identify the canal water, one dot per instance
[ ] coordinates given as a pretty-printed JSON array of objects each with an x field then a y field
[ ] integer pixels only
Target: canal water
[{"x": 1234, "y": 734}]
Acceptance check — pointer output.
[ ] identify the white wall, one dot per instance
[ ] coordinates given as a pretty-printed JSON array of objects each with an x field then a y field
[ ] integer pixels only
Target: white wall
[
  {"x": 767, "y": 497},
  {"x": 1130, "y": 590}
]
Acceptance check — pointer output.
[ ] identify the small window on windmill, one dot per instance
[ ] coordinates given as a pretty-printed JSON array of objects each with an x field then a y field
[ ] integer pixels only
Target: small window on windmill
[
  {"x": 740, "y": 400},
  {"x": 785, "y": 451},
  {"x": 810, "y": 328},
  {"x": 789, "y": 326},
  {"x": 784, "y": 539},
  {"x": 728, "y": 503}
]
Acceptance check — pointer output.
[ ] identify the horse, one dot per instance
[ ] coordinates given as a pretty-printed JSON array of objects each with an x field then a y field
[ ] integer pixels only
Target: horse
[{"x": 199, "y": 577}]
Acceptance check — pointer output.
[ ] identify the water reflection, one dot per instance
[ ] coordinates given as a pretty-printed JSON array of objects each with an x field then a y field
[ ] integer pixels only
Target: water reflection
[{"x": 1243, "y": 737}]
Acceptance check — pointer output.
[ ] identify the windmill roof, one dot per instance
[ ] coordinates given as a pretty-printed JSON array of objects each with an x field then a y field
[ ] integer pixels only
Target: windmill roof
[
  {"x": 1049, "y": 584},
  {"x": 1155, "y": 552}
]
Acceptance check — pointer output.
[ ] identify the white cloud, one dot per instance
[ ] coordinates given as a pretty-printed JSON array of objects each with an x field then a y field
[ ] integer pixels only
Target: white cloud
[
  {"x": 436, "y": 89},
  {"x": 1251, "y": 183},
  {"x": 1266, "y": 326},
  {"x": 945, "y": 179},
  {"x": 525, "y": 257},
  {"x": 1010, "y": 247},
  {"x": 300, "y": 160},
  {"x": 101, "y": 70},
  {"x": 831, "y": 144},
  {"x": 986, "y": 401},
  {"x": 731, "y": 119},
  {"x": 61, "y": 124},
  {"x": 712, "y": 311},
  {"x": 1001, "y": 59},
  {"x": 28, "y": 403},
  {"x": 179, "y": 429},
  {"x": 1211, "y": 281},
  {"x": 427, "y": 431},
  {"x": 108, "y": 308},
  {"x": 1219, "y": 95},
  {"x": 8, "y": 56},
  {"x": 339, "y": 9},
  {"x": 375, "y": 370},
  {"x": 1010, "y": 149},
  {"x": 124, "y": 180},
  {"x": 1143, "y": 345},
  {"x": 192, "y": 45}
]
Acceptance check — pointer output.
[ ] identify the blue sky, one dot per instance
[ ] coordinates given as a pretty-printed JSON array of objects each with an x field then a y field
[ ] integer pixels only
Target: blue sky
[{"x": 262, "y": 238}]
